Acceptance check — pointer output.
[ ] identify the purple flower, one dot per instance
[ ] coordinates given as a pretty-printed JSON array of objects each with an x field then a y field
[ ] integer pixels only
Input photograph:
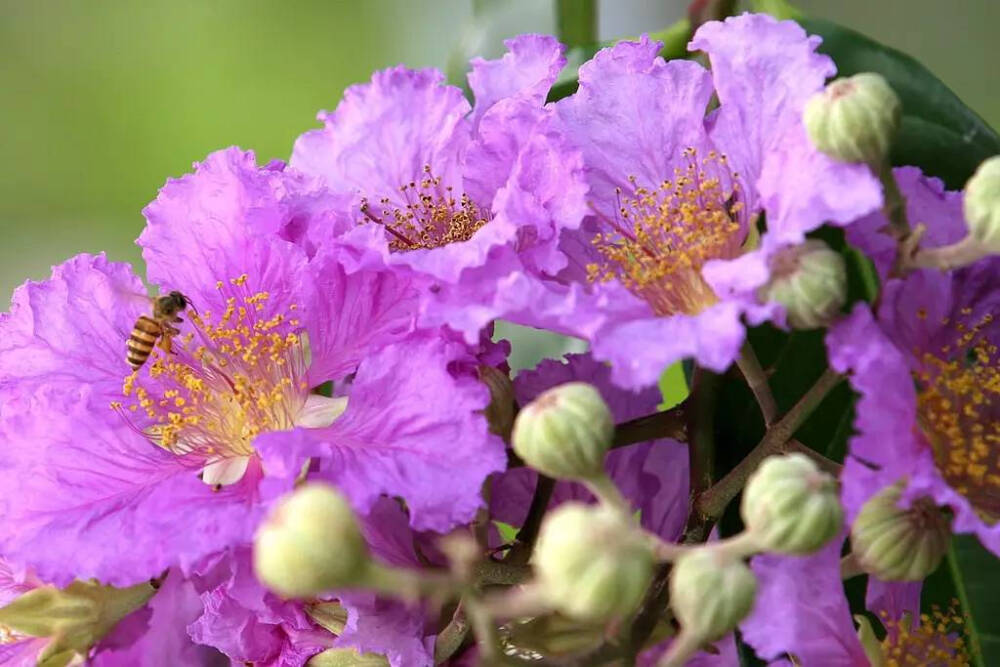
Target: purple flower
[
  {"x": 248, "y": 623},
  {"x": 118, "y": 476},
  {"x": 460, "y": 196},
  {"x": 652, "y": 475},
  {"x": 926, "y": 369},
  {"x": 657, "y": 272},
  {"x": 801, "y": 610}
]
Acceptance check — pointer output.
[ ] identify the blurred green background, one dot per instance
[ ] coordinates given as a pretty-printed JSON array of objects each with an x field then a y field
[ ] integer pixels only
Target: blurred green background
[{"x": 102, "y": 100}]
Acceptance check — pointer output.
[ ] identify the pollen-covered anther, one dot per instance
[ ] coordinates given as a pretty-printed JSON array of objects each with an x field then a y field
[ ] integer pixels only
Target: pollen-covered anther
[
  {"x": 427, "y": 214},
  {"x": 937, "y": 639},
  {"x": 237, "y": 375},
  {"x": 662, "y": 236},
  {"x": 959, "y": 412}
]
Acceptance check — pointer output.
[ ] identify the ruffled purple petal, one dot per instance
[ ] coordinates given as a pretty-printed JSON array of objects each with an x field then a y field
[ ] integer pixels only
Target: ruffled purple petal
[
  {"x": 634, "y": 115},
  {"x": 163, "y": 638},
  {"x": 225, "y": 220},
  {"x": 411, "y": 429},
  {"x": 22, "y": 652},
  {"x": 386, "y": 627},
  {"x": 527, "y": 70},
  {"x": 801, "y": 609},
  {"x": 88, "y": 497},
  {"x": 67, "y": 334},
  {"x": 639, "y": 350},
  {"x": 764, "y": 71},
  {"x": 385, "y": 132},
  {"x": 248, "y": 623},
  {"x": 351, "y": 315},
  {"x": 652, "y": 476}
]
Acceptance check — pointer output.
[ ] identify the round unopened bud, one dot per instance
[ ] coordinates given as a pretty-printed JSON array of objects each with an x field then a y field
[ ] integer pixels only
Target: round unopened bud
[
  {"x": 500, "y": 412},
  {"x": 310, "y": 543},
  {"x": 790, "y": 506},
  {"x": 982, "y": 204},
  {"x": 854, "y": 119},
  {"x": 591, "y": 563},
  {"x": 565, "y": 432},
  {"x": 810, "y": 281},
  {"x": 897, "y": 544},
  {"x": 711, "y": 592}
]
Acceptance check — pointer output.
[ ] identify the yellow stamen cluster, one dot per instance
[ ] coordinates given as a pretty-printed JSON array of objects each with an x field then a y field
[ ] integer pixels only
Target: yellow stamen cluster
[
  {"x": 430, "y": 216},
  {"x": 236, "y": 376},
  {"x": 959, "y": 411},
  {"x": 937, "y": 640},
  {"x": 663, "y": 236}
]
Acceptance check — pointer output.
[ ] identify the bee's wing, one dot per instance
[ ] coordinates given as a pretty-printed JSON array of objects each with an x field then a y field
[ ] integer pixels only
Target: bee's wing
[{"x": 134, "y": 304}]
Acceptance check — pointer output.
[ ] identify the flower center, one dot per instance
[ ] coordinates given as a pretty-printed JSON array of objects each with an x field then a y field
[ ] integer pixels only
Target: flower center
[
  {"x": 958, "y": 404},
  {"x": 663, "y": 235},
  {"x": 238, "y": 374},
  {"x": 937, "y": 640},
  {"x": 427, "y": 215}
]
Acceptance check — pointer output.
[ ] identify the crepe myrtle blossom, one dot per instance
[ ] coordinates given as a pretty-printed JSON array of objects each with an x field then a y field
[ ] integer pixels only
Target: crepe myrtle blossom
[
  {"x": 119, "y": 475},
  {"x": 660, "y": 269},
  {"x": 806, "y": 593},
  {"x": 459, "y": 196},
  {"x": 926, "y": 366}
]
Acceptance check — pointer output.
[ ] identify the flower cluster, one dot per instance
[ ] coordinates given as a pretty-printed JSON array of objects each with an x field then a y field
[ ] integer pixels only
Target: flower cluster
[{"x": 308, "y": 449}]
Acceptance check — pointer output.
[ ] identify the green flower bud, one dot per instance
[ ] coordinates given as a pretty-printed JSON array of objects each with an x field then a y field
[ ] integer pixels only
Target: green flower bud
[
  {"x": 310, "y": 543},
  {"x": 790, "y": 506},
  {"x": 75, "y": 617},
  {"x": 897, "y": 544},
  {"x": 565, "y": 432},
  {"x": 711, "y": 592},
  {"x": 854, "y": 119},
  {"x": 810, "y": 281},
  {"x": 346, "y": 657},
  {"x": 500, "y": 412},
  {"x": 592, "y": 563},
  {"x": 982, "y": 204}
]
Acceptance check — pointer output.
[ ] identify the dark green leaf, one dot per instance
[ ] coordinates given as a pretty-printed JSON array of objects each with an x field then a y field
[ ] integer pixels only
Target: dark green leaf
[
  {"x": 976, "y": 576},
  {"x": 939, "y": 133}
]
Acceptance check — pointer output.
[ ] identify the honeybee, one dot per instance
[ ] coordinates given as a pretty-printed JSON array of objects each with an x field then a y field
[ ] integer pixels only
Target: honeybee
[{"x": 160, "y": 325}]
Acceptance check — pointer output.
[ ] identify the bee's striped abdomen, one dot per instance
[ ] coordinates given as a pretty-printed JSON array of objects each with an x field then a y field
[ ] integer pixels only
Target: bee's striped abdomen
[{"x": 141, "y": 341}]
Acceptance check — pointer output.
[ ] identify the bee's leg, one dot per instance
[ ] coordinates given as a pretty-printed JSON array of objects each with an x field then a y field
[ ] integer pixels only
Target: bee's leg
[
  {"x": 178, "y": 319},
  {"x": 165, "y": 342}
]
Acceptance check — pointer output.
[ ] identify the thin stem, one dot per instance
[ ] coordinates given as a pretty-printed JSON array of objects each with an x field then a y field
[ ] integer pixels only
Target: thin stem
[
  {"x": 607, "y": 492},
  {"x": 713, "y": 501},
  {"x": 520, "y": 553},
  {"x": 825, "y": 464},
  {"x": 484, "y": 628},
  {"x": 670, "y": 423},
  {"x": 945, "y": 258},
  {"x": 684, "y": 646},
  {"x": 894, "y": 204},
  {"x": 757, "y": 381},
  {"x": 849, "y": 567},
  {"x": 451, "y": 638}
]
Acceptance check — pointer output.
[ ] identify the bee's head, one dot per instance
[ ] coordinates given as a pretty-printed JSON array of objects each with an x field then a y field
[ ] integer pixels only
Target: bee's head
[{"x": 174, "y": 302}]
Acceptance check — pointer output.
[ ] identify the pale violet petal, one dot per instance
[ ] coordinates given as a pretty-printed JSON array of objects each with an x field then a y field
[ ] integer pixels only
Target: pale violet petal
[
  {"x": 225, "y": 471},
  {"x": 321, "y": 411}
]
